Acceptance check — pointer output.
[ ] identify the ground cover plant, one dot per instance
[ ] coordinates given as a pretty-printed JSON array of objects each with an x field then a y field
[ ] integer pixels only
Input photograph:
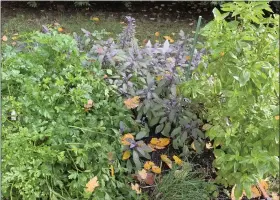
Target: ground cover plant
[
  {"x": 90, "y": 116},
  {"x": 60, "y": 121}
]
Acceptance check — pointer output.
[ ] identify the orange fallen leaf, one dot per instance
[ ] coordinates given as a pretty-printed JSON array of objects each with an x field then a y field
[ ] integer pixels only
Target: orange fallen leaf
[
  {"x": 136, "y": 188},
  {"x": 148, "y": 165},
  {"x": 159, "y": 143},
  {"x": 188, "y": 58},
  {"x": 166, "y": 160},
  {"x": 92, "y": 184},
  {"x": 157, "y": 34},
  {"x": 126, "y": 155},
  {"x": 177, "y": 160},
  {"x": 156, "y": 169},
  {"x": 60, "y": 29},
  {"x": 127, "y": 139},
  {"x": 132, "y": 102},
  {"x": 5, "y": 38}
]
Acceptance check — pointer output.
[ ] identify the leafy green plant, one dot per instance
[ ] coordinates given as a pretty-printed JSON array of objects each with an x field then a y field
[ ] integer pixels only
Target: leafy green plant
[
  {"x": 238, "y": 83},
  {"x": 59, "y": 121}
]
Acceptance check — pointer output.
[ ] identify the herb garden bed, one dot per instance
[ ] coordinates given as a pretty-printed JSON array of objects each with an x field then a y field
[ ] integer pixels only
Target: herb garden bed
[{"x": 87, "y": 118}]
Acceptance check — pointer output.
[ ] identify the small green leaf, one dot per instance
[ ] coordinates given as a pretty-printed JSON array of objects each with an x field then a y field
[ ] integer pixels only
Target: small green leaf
[
  {"x": 109, "y": 71},
  {"x": 140, "y": 135},
  {"x": 136, "y": 160},
  {"x": 175, "y": 131},
  {"x": 166, "y": 129},
  {"x": 159, "y": 128}
]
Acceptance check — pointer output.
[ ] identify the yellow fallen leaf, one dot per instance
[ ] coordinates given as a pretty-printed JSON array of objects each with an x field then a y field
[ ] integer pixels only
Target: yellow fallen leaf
[
  {"x": 277, "y": 117},
  {"x": 60, "y": 29},
  {"x": 148, "y": 165},
  {"x": 222, "y": 53},
  {"x": 112, "y": 171},
  {"x": 5, "y": 38},
  {"x": 156, "y": 169},
  {"x": 160, "y": 143},
  {"x": 171, "y": 41},
  {"x": 157, "y": 34},
  {"x": 142, "y": 174},
  {"x": 127, "y": 138},
  {"x": 96, "y": 19},
  {"x": 177, "y": 160},
  {"x": 126, "y": 155},
  {"x": 92, "y": 184},
  {"x": 167, "y": 161},
  {"x": 132, "y": 102},
  {"x": 14, "y": 38},
  {"x": 136, "y": 188},
  {"x": 156, "y": 41},
  {"x": 192, "y": 146}
]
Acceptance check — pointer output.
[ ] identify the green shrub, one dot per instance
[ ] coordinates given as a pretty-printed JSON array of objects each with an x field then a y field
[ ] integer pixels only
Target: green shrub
[
  {"x": 54, "y": 141},
  {"x": 238, "y": 83}
]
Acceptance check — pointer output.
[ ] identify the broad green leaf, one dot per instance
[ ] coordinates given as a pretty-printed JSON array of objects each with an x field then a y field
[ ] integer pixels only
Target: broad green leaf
[{"x": 166, "y": 129}]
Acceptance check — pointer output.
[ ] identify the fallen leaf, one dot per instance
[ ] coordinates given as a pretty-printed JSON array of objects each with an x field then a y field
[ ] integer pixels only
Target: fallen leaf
[
  {"x": 142, "y": 174},
  {"x": 92, "y": 184},
  {"x": 132, "y": 102},
  {"x": 127, "y": 139},
  {"x": 157, "y": 34},
  {"x": 156, "y": 169},
  {"x": 222, "y": 53},
  {"x": 96, "y": 19},
  {"x": 188, "y": 58},
  {"x": 156, "y": 41},
  {"x": 136, "y": 188},
  {"x": 5, "y": 38},
  {"x": 159, "y": 143},
  {"x": 89, "y": 105},
  {"x": 150, "y": 180},
  {"x": 126, "y": 155},
  {"x": 277, "y": 117},
  {"x": 255, "y": 191},
  {"x": 192, "y": 146},
  {"x": 148, "y": 165},
  {"x": 166, "y": 160},
  {"x": 112, "y": 170},
  {"x": 177, "y": 160},
  {"x": 208, "y": 145},
  {"x": 60, "y": 29},
  {"x": 14, "y": 38}
]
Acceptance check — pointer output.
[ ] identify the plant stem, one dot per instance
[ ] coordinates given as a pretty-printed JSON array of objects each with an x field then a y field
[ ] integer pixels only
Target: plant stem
[{"x": 194, "y": 43}]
